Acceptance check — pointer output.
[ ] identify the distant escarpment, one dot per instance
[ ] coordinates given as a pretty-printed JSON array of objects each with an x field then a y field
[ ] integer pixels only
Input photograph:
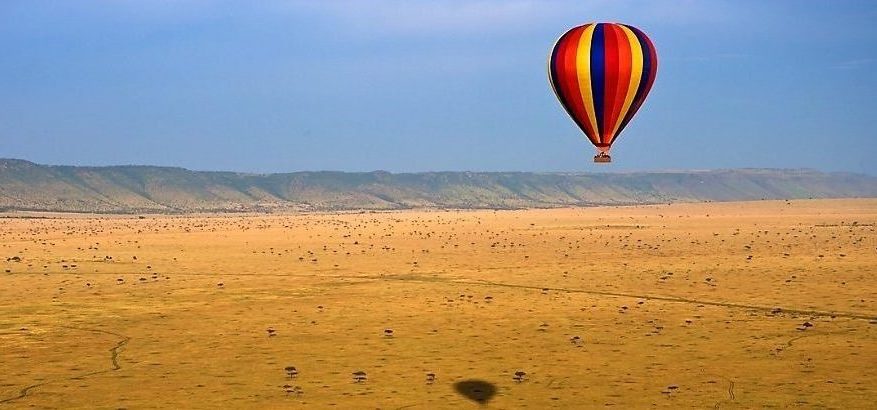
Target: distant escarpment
[{"x": 27, "y": 186}]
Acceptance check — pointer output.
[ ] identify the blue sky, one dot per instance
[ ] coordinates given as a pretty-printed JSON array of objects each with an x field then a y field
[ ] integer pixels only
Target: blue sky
[{"x": 408, "y": 85}]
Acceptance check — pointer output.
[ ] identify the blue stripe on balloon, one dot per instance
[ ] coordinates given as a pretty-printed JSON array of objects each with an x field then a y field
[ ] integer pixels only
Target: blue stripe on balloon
[
  {"x": 647, "y": 64},
  {"x": 598, "y": 75}
]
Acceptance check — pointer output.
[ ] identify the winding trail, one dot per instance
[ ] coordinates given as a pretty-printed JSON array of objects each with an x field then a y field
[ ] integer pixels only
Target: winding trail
[
  {"x": 731, "y": 385},
  {"x": 114, "y": 360},
  {"x": 114, "y": 351},
  {"x": 809, "y": 333},
  {"x": 731, "y": 396},
  {"x": 22, "y": 393}
]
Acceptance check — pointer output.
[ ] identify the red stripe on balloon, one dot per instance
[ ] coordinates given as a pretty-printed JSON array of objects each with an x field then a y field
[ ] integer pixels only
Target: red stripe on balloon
[
  {"x": 570, "y": 80},
  {"x": 612, "y": 79},
  {"x": 623, "y": 83},
  {"x": 611, "y": 82},
  {"x": 560, "y": 75}
]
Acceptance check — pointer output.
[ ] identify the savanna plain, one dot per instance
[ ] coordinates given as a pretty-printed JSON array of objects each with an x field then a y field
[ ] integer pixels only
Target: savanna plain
[{"x": 725, "y": 305}]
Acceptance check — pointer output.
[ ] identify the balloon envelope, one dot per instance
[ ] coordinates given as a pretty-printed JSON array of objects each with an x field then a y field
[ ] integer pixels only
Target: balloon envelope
[{"x": 602, "y": 73}]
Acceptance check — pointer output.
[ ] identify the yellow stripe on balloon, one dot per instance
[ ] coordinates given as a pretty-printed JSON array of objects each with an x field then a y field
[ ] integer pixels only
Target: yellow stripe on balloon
[
  {"x": 636, "y": 72},
  {"x": 583, "y": 68}
]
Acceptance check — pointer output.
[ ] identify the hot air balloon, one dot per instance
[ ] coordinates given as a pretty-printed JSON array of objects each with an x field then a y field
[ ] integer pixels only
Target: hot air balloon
[{"x": 602, "y": 73}]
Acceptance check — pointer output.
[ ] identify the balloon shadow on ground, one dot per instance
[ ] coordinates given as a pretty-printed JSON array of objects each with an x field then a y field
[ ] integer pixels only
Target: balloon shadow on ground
[{"x": 478, "y": 391}]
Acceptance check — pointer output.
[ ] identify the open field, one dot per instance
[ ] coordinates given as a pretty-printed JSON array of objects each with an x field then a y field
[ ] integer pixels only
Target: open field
[{"x": 726, "y": 305}]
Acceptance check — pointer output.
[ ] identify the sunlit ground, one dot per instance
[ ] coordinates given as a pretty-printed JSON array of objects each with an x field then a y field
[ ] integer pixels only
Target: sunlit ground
[{"x": 730, "y": 305}]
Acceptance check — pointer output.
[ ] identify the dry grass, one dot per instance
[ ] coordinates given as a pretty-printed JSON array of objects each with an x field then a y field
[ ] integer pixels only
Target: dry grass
[{"x": 695, "y": 305}]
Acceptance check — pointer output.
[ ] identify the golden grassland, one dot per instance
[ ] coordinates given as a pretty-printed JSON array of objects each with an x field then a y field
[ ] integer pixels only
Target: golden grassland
[{"x": 726, "y": 305}]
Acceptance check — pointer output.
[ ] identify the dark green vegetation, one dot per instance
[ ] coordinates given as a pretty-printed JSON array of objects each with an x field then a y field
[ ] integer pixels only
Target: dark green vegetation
[{"x": 133, "y": 189}]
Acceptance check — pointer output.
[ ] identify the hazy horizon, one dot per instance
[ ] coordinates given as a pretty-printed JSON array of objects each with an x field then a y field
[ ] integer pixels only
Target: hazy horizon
[
  {"x": 608, "y": 170},
  {"x": 411, "y": 86}
]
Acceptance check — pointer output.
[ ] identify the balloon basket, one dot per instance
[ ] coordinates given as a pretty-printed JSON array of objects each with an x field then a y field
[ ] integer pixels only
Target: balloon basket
[{"x": 602, "y": 158}]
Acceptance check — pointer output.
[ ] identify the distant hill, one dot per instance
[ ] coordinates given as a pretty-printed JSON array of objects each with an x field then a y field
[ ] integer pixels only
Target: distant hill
[{"x": 148, "y": 189}]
